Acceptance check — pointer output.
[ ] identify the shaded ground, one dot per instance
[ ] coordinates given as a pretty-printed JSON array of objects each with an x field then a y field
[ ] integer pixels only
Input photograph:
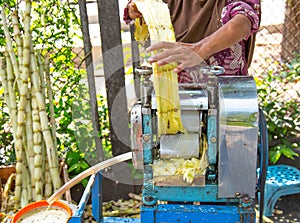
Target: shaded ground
[{"x": 290, "y": 204}]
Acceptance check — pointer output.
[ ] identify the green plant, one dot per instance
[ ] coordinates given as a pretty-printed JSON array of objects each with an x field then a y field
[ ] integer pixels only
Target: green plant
[
  {"x": 74, "y": 129},
  {"x": 76, "y": 164},
  {"x": 55, "y": 29},
  {"x": 279, "y": 99},
  {"x": 7, "y": 155}
]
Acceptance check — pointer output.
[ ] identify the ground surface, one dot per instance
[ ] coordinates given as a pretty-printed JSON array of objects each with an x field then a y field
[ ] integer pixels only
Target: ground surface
[{"x": 290, "y": 206}]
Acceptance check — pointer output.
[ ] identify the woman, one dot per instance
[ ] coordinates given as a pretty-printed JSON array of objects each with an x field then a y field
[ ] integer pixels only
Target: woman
[{"x": 219, "y": 32}]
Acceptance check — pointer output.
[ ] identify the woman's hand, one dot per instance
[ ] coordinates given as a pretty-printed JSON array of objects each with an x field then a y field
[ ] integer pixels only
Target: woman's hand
[
  {"x": 133, "y": 12},
  {"x": 182, "y": 53},
  {"x": 191, "y": 54}
]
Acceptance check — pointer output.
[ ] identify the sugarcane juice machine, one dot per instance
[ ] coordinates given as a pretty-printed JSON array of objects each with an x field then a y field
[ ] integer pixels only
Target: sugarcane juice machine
[{"x": 223, "y": 112}]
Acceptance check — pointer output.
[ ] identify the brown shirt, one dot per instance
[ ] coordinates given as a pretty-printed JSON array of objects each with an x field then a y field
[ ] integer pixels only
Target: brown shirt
[{"x": 195, "y": 19}]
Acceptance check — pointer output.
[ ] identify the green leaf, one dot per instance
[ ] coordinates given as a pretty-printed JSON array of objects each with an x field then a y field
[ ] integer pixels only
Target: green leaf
[
  {"x": 274, "y": 156},
  {"x": 289, "y": 153},
  {"x": 72, "y": 157}
]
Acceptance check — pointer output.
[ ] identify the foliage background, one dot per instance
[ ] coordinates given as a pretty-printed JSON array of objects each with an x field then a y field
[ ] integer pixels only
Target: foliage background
[{"x": 56, "y": 28}]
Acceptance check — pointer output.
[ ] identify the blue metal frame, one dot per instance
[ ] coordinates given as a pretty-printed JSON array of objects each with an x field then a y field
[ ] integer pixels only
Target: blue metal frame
[
  {"x": 170, "y": 212},
  {"x": 147, "y": 135},
  {"x": 78, "y": 215},
  {"x": 209, "y": 193},
  {"x": 212, "y": 136},
  {"x": 123, "y": 220},
  {"x": 196, "y": 213},
  {"x": 97, "y": 198},
  {"x": 94, "y": 188}
]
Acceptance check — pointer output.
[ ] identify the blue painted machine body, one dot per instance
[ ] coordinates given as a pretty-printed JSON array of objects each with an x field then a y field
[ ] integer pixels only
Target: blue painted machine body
[{"x": 227, "y": 113}]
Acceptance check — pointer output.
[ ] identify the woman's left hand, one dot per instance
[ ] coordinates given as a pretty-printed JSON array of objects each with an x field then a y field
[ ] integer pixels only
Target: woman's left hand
[{"x": 182, "y": 53}]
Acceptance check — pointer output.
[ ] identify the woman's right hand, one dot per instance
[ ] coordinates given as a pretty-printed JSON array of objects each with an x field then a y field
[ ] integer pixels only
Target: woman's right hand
[{"x": 133, "y": 12}]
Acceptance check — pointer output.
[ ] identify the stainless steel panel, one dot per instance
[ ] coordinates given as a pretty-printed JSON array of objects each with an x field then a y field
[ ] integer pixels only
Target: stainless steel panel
[
  {"x": 136, "y": 135},
  {"x": 195, "y": 99},
  {"x": 179, "y": 145},
  {"x": 238, "y": 135}
]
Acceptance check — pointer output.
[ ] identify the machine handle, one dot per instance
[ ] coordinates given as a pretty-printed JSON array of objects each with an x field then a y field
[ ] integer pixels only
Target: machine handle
[
  {"x": 143, "y": 70},
  {"x": 215, "y": 70}
]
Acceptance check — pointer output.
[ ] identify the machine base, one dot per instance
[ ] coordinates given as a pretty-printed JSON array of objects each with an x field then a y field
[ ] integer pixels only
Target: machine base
[
  {"x": 196, "y": 213},
  {"x": 123, "y": 220}
]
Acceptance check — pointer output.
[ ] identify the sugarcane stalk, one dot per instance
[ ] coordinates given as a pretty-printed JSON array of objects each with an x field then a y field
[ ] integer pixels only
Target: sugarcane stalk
[
  {"x": 66, "y": 179},
  {"x": 12, "y": 95},
  {"x": 119, "y": 213},
  {"x": 50, "y": 98},
  {"x": 19, "y": 142},
  {"x": 29, "y": 138},
  {"x": 44, "y": 166},
  {"x": 4, "y": 81},
  {"x": 27, "y": 183},
  {"x": 157, "y": 17},
  {"x": 41, "y": 69},
  {"x": 31, "y": 127},
  {"x": 9, "y": 46},
  {"x": 37, "y": 148},
  {"x": 48, "y": 182},
  {"x": 25, "y": 176},
  {"x": 51, "y": 150},
  {"x": 265, "y": 219},
  {"x": 135, "y": 196},
  {"x": 30, "y": 191},
  {"x": 17, "y": 37},
  {"x": 23, "y": 91}
]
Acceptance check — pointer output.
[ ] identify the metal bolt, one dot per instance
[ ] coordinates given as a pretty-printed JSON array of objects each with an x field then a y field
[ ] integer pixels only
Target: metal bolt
[
  {"x": 146, "y": 138},
  {"x": 213, "y": 139},
  {"x": 149, "y": 198}
]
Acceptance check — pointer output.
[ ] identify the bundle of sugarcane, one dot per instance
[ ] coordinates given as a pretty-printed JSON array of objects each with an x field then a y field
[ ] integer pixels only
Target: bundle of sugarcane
[
  {"x": 156, "y": 23},
  {"x": 22, "y": 77}
]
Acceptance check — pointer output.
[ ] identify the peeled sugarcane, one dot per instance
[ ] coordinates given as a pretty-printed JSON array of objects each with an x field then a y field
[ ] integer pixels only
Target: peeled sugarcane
[
  {"x": 156, "y": 24},
  {"x": 156, "y": 20}
]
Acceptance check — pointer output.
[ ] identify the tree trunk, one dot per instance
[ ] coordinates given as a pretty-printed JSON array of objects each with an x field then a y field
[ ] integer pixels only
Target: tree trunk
[
  {"x": 112, "y": 51},
  {"x": 91, "y": 79}
]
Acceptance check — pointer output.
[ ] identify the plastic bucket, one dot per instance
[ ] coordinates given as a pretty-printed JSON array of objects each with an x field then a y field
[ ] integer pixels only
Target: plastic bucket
[{"x": 39, "y": 211}]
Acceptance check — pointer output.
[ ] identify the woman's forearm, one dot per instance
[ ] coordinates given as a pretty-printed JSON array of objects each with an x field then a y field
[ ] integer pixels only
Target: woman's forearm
[{"x": 232, "y": 32}]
